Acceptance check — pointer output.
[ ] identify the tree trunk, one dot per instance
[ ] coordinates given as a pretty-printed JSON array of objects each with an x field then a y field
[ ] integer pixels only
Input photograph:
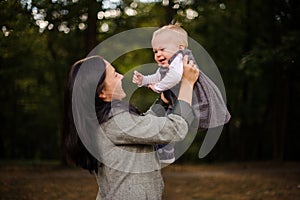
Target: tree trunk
[{"x": 91, "y": 37}]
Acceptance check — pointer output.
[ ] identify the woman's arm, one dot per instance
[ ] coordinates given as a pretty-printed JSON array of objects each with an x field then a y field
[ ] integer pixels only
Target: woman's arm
[
  {"x": 189, "y": 77},
  {"x": 126, "y": 128}
]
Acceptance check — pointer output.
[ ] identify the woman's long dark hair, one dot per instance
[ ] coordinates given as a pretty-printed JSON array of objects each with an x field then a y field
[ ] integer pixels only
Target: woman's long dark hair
[{"x": 72, "y": 147}]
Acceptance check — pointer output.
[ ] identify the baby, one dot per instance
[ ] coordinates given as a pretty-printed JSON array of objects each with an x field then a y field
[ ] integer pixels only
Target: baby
[{"x": 167, "y": 43}]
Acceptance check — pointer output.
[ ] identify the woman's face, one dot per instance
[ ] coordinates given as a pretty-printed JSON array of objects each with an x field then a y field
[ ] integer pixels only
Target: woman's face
[{"x": 112, "y": 85}]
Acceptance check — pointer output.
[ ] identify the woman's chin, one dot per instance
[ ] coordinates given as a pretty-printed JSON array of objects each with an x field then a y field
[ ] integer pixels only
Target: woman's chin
[{"x": 121, "y": 96}]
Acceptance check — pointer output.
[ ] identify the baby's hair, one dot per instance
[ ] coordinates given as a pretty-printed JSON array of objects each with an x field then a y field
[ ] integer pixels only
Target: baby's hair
[{"x": 177, "y": 31}]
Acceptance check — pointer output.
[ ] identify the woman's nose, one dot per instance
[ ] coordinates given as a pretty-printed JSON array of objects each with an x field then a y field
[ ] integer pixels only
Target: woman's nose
[{"x": 121, "y": 76}]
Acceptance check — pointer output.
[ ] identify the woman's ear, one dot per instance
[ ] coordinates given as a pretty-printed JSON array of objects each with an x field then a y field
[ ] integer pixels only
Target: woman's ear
[{"x": 102, "y": 95}]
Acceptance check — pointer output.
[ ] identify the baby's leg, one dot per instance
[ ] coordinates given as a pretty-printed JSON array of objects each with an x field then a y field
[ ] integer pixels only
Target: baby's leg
[{"x": 165, "y": 153}]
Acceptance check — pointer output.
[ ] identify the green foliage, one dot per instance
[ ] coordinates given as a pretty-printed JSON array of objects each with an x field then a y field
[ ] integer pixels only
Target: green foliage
[{"x": 255, "y": 44}]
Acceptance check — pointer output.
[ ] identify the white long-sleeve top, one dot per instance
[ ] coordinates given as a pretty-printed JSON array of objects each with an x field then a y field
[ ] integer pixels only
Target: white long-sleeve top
[{"x": 172, "y": 77}]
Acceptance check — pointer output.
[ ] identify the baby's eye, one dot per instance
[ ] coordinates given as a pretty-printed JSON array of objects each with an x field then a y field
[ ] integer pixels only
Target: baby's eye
[{"x": 154, "y": 51}]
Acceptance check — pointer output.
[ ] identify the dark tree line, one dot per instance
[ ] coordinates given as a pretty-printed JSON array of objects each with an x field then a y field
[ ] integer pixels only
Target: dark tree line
[{"x": 255, "y": 44}]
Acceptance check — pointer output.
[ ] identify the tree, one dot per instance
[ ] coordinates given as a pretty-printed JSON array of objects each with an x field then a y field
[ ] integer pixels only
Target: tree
[{"x": 255, "y": 44}]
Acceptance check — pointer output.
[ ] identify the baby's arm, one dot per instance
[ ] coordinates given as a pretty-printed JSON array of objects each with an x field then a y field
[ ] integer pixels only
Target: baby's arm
[
  {"x": 142, "y": 80},
  {"x": 172, "y": 77},
  {"x": 152, "y": 79}
]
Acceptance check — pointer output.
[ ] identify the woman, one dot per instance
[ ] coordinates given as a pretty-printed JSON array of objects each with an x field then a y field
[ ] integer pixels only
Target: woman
[{"x": 121, "y": 150}]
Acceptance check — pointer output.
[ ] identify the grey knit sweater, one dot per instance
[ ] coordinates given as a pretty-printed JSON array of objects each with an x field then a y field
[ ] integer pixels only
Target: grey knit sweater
[{"x": 129, "y": 169}]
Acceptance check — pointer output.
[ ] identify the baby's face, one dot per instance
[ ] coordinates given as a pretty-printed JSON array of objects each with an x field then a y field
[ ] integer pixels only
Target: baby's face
[{"x": 164, "y": 46}]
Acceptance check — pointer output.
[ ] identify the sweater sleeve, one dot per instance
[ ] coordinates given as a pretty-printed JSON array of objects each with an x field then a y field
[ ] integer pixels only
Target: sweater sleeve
[
  {"x": 126, "y": 128},
  {"x": 158, "y": 108},
  {"x": 149, "y": 79}
]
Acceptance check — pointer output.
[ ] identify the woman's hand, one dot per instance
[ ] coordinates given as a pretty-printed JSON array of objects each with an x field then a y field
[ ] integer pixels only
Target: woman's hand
[
  {"x": 163, "y": 98},
  {"x": 151, "y": 86},
  {"x": 189, "y": 77},
  {"x": 190, "y": 71}
]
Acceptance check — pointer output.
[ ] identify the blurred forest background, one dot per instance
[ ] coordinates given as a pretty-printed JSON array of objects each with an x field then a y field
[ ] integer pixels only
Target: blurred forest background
[{"x": 255, "y": 44}]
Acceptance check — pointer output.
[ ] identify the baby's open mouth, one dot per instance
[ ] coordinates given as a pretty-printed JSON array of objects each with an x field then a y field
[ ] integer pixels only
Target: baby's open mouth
[{"x": 162, "y": 60}]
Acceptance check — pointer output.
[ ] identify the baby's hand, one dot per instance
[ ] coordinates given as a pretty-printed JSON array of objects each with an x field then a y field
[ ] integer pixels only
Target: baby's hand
[
  {"x": 137, "y": 78},
  {"x": 151, "y": 86}
]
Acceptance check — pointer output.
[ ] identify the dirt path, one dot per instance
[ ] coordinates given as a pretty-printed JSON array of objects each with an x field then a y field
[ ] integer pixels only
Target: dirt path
[
  {"x": 247, "y": 181},
  {"x": 233, "y": 182}
]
